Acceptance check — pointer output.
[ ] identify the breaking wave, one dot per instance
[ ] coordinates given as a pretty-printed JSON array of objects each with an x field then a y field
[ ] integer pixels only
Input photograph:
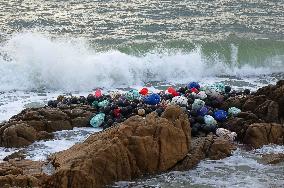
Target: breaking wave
[{"x": 33, "y": 61}]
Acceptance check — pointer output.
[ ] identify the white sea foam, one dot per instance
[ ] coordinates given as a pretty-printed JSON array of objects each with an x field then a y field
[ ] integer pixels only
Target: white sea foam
[
  {"x": 39, "y": 151},
  {"x": 32, "y": 61}
]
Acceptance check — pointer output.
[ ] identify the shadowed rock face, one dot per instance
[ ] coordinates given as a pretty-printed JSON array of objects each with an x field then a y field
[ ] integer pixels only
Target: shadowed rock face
[
  {"x": 260, "y": 134},
  {"x": 136, "y": 147},
  {"x": 261, "y": 121},
  {"x": 211, "y": 147}
]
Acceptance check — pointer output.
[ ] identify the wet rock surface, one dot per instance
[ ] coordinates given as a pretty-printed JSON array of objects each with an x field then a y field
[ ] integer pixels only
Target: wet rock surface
[
  {"x": 260, "y": 134},
  {"x": 39, "y": 123},
  {"x": 141, "y": 138},
  {"x": 21, "y": 173},
  {"x": 273, "y": 158},
  {"x": 137, "y": 147},
  {"x": 211, "y": 147}
]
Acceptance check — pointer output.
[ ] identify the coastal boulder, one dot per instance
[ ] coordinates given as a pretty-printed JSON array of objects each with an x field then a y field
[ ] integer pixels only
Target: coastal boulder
[
  {"x": 18, "y": 135},
  {"x": 39, "y": 123},
  {"x": 211, "y": 147},
  {"x": 23, "y": 173},
  {"x": 137, "y": 146},
  {"x": 260, "y": 134}
]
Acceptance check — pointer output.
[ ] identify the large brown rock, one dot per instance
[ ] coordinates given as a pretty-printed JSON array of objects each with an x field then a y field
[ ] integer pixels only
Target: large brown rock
[
  {"x": 39, "y": 123},
  {"x": 275, "y": 93},
  {"x": 237, "y": 101},
  {"x": 136, "y": 147},
  {"x": 23, "y": 173},
  {"x": 211, "y": 147},
  {"x": 260, "y": 134},
  {"x": 264, "y": 108},
  {"x": 18, "y": 135}
]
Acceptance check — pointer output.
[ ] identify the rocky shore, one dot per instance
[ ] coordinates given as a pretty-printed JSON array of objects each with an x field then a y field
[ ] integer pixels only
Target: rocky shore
[{"x": 141, "y": 142}]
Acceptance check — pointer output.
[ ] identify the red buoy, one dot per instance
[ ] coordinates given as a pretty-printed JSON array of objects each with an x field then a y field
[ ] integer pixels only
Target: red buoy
[{"x": 144, "y": 91}]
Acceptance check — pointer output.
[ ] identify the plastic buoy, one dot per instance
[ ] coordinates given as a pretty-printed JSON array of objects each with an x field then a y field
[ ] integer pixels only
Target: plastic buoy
[
  {"x": 220, "y": 115},
  {"x": 233, "y": 111},
  {"x": 117, "y": 112},
  {"x": 152, "y": 99},
  {"x": 98, "y": 93},
  {"x": 103, "y": 103},
  {"x": 97, "y": 120},
  {"x": 172, "y": 91},
  {"x": 114, "y": 94},
  {"x": 201, "y": 95},
  {"x": 144, "y": 91},
  {"x": 179, "y": 100},
  {"x": 202, "y": 111},
  {"x": 132, "y": 94},
  {"x": 228, "y": 89},
  {"x": 197, "y": 104},
  {"x": 95, "y": 104},
  {"x": 209, "y": 120},
  {"x": 193, "y": 85},
  {"x": 194, "y": 90}
]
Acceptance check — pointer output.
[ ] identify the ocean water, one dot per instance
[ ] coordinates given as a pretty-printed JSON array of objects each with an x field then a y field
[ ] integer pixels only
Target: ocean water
[{"x": 52, "y": 47}]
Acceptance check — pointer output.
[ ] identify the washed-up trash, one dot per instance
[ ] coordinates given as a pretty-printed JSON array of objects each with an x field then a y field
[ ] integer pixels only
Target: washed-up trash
[
  {"x": 197, "y": 104},
  {"x": 220, "y": 115},
  {"x": 98, "y": 93},
  {"x": 144, "y": 91},
  {"x": 202, "y": 111},
  {"x": 218, "y": 87},
  {"x": 114, "y": 94},
  {"x": 117, "y": 106},
  {"x": 117, "y": 112},
  {"x": 194, "y": 90},
  {"x": 103, "y": 103},
  {"x": 179, "y": 100},
  {"x": 233, "y": 111},
  {"x": 152, "y": 99},
  {"x": 193, "y": 85},
  {"x": 172, "y": 91},
  {"x": 201, "y": 95},
  {"x": 226, "y": 134},
  {"x": 132, "y": 94},
  {"x": 228, "y": 89},
  {"x": 209, "y": 120},
  {"x": 95, "y": 104},
  {"x": 97, "y": 120}
]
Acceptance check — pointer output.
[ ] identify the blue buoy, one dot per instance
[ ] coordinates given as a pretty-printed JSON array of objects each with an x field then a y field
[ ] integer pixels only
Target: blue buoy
[
  {"x": 220, "y": 115},
  {"x": 202, "y": 111},
  {"x": 193, "y": 85},
  {"x": 152, "y": 99}
]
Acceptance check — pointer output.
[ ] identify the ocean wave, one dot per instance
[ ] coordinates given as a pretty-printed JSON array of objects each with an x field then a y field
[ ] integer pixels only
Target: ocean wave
[{"x": 33, "y": 61}]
